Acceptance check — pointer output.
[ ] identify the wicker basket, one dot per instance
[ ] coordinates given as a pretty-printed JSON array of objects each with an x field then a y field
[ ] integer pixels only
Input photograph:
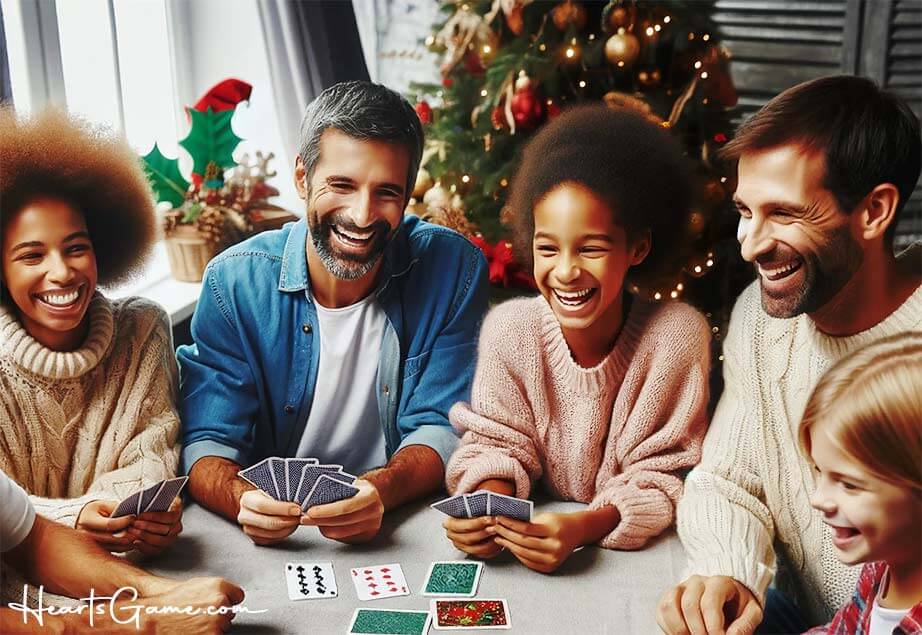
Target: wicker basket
[{"x": 188, "y": 253}]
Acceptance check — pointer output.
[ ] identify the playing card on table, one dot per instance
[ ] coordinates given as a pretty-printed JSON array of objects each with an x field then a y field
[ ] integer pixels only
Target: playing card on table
[
  {"x": 509, "y": 506},
  {"x": 260, "y": 476},
  {"x": 389, "y": 622},
  {"x": 328, "y": 490},
  {"x": 455, "y": 578},
  {"x": 469, "y": 614},
  {"x": 310, "y": 580},
  {"x": 127, "y": 506},
  {"x": 293, "y": 469},
  {"x": 454, "y": 506},
  {"x": 165, "y": 495},
  {"x": 477, "y": 503},
  {"x": 379, "y": 581},
  {"x": 309, "y": 476}
]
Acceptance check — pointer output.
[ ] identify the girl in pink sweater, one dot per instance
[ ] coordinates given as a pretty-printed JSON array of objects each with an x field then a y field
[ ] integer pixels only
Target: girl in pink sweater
[{"x": 598, "y": 393}]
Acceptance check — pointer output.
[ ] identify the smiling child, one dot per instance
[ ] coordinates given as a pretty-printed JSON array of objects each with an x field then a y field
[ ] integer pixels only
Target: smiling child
[
  {"x": 598, "y": 393},
  {"x": 862, "y": 432}
]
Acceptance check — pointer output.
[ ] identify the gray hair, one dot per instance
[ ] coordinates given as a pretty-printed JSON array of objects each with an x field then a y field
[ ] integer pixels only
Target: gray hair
[{"x": 362, "y": 110}]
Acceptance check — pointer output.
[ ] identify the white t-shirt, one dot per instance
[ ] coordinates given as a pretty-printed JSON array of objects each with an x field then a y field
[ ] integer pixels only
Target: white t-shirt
[
  {"x": 16, "y": 513},
  {"x": 883, "y": 620},
  {"x": 344, "y": 426}
]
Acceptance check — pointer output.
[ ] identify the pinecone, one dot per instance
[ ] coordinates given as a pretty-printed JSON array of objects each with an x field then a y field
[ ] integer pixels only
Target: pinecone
[
  {"x": 210, "y": 225},
  {"x": 170, "y": 220}
]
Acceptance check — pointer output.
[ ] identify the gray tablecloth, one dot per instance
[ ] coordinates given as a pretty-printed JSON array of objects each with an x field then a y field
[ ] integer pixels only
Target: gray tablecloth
[{"x": 595, "y": 591}]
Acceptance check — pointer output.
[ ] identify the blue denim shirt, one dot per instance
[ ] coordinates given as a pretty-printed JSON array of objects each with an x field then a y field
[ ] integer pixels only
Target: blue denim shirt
[{"x": 247, "y": 383}]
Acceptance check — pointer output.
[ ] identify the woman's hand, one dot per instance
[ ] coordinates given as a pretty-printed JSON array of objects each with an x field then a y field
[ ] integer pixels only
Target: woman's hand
[
  {"x": 95, "y": 521},
  {"x": 544, "y": 543}
]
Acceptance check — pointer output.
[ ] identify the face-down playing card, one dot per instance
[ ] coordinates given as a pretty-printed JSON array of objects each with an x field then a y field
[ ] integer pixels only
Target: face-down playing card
[
  {"x": 148, "y": 495},
  {"x": 327, "y": 490},
  {"x": 469, "y": 614},
  {"x": 509, "y": 506},
  {"x": 260, "y": 476},
  {"x": 127, "y": 506},
  {"x": 293, "y": 470},
  {"x": 453, "y": 506},
  {"x": 389, "y": 622},
  {"x": 309, "y": 476},
  {"x": 310, "y": 580},
  {"x": 477, "y": 503},
  {"x": 277, "y": 471},
  {"x": 170, "y": 489},
  {"x": 379, "y": 581},
  {"x": 453, "y": 579}
]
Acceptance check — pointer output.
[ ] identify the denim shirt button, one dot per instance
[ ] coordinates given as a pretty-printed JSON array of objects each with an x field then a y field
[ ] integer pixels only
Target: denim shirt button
[
  {"x": 386, "y": 390},
  {"x": 306, "y": 327},
  {"x": 289, "y": 409}
]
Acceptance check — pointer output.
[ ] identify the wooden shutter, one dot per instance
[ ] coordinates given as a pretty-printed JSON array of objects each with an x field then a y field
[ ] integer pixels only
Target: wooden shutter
[{"x": 776, "y": 44}]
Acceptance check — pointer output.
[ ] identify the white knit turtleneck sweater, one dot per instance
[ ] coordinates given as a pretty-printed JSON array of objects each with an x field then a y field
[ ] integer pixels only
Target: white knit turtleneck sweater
[
  {"x": 750, "y": 494},
  {"x": 98, "y": 422}
]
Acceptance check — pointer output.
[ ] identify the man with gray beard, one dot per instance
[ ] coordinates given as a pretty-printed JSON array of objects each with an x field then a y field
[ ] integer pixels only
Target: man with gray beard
[
  {"x": 346, "y": 336},
  {"x": 824, "y": 170}
]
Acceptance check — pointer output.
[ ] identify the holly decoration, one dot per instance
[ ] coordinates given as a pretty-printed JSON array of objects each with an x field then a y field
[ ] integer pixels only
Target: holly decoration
[
  {"x": 166, "y": 181},
  {"x": 211, "y": 140}
]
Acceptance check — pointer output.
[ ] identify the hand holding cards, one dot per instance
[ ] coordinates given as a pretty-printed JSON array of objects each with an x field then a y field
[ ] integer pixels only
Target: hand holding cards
[
  {"x": 483, "y": 503},
  {"x": 156, "y": 498},
  {"x": 301, "y": 481}
]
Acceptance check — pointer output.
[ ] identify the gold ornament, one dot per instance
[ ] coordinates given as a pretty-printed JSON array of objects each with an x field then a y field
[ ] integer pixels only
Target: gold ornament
[
  {"x": 423, "y": 183},
  {"x": 649, "y": 78},
  {"x": 569, "y": 13},
  {"x": 622, "y": 49}
]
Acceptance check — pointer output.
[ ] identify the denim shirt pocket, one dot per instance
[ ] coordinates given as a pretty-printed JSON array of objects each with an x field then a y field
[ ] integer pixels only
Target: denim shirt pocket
[{"x": 414, "y": 365}]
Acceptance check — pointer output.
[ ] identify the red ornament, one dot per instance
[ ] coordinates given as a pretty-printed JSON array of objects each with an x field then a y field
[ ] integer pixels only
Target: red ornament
[
  {"x": 527, "y": 108},
  {"x": 720, "y": 137},
  {"x": 424, "y": 111},
  {"x": 498, "y": 118},
  {"x": 447, "y": 82}
]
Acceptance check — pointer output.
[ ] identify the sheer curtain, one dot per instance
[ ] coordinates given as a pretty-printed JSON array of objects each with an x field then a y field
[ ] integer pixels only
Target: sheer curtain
[{"x": 311, "y": 46}]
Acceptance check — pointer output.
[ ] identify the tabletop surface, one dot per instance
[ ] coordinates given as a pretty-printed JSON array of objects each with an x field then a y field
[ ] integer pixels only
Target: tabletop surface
[{"x": 595, "y": 591}]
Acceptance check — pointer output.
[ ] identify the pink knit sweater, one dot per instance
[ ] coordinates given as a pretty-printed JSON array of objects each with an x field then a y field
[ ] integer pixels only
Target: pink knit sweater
[{"x": 617, "y": 434}]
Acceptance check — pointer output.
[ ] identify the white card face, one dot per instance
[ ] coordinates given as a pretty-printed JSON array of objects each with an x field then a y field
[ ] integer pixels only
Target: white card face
[
  {"x": 310, "y": 580},
  {"x": 379, "y": 581}
]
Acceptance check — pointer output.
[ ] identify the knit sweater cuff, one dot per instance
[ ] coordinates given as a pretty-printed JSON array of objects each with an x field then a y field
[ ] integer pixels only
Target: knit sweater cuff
[
  {"x": 492, "y": 466},
  {"x": 738, "y": 564},
  {"x": 65, "y": 510},
  {"x": 645, "y": 513}
]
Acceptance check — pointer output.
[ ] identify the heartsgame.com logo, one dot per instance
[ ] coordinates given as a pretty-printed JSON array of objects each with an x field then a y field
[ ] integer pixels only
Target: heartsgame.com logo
[{"x": 120, "y": 608}]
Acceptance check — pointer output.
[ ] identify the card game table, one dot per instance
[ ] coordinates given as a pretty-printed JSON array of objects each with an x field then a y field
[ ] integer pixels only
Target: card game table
[{"x": 595, "y": 591}]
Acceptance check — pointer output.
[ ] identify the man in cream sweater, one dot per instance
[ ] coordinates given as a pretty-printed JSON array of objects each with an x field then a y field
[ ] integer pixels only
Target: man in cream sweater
[{"x": 824, "y": 171}]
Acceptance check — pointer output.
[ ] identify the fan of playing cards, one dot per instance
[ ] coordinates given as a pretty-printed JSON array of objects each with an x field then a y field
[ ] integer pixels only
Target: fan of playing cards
[
  {"x": 156, "y": 498},
  {"x": 484, "y": 503},
  {"x": 301, "y": 481}
]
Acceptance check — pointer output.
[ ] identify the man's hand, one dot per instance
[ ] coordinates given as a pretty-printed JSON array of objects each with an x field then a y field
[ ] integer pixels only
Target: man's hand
[
  {"x": 542, "y": 544},
  {"x": 110, "y": 533},
  {"x": 355, "y": 519},
  {"x": 198, "y": 593},
  {"x": 266, "y": 520},
  {"x": 155, "y": 531},
  {"x": 474, "y": 536},
  {"x": 706, "y": 605}
]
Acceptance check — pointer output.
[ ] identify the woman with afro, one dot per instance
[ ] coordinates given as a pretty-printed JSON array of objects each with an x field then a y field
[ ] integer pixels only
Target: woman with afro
[
  {"x": 87, "y": 384},
  {"x": 599, "y": 394}
]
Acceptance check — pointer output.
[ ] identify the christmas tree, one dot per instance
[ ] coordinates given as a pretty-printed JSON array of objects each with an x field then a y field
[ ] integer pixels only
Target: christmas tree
[{"x": 508, "y": 66}]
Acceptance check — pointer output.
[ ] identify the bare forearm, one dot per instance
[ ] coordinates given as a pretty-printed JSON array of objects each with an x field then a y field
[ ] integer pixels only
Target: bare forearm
[
  {"x": 412, "y": 473},
  {"x": 498, "y": 486},
  {"x": 69, "y": 563},
  {"x": 595, "y": 524},
  {"x": 214, "y": 484}
]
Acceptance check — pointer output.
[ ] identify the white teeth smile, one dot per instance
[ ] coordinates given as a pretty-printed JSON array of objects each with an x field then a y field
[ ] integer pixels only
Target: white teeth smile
[
  {"x": 352, "y": 236},
  {"x": 573, "y": 298},
  {"x": 59, "y": 299},
  {"x": 780, "y": 272}
]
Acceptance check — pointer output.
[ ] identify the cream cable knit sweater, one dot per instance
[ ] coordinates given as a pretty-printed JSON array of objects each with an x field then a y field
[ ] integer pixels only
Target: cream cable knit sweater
[
  {"x": 750, "y": 495},
  {"x": 617, "y": 434},
  {"x": 96, "y": 423}
]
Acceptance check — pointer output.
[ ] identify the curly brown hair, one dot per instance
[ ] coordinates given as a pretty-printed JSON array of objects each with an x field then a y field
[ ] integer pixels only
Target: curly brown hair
[
  {"x": 59, "y": 156},
  {"x": 635, "y": 166}
]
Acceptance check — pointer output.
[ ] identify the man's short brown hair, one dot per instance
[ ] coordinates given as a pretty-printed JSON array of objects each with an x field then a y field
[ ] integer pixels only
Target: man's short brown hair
[{"x": 867, "y": 136}]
